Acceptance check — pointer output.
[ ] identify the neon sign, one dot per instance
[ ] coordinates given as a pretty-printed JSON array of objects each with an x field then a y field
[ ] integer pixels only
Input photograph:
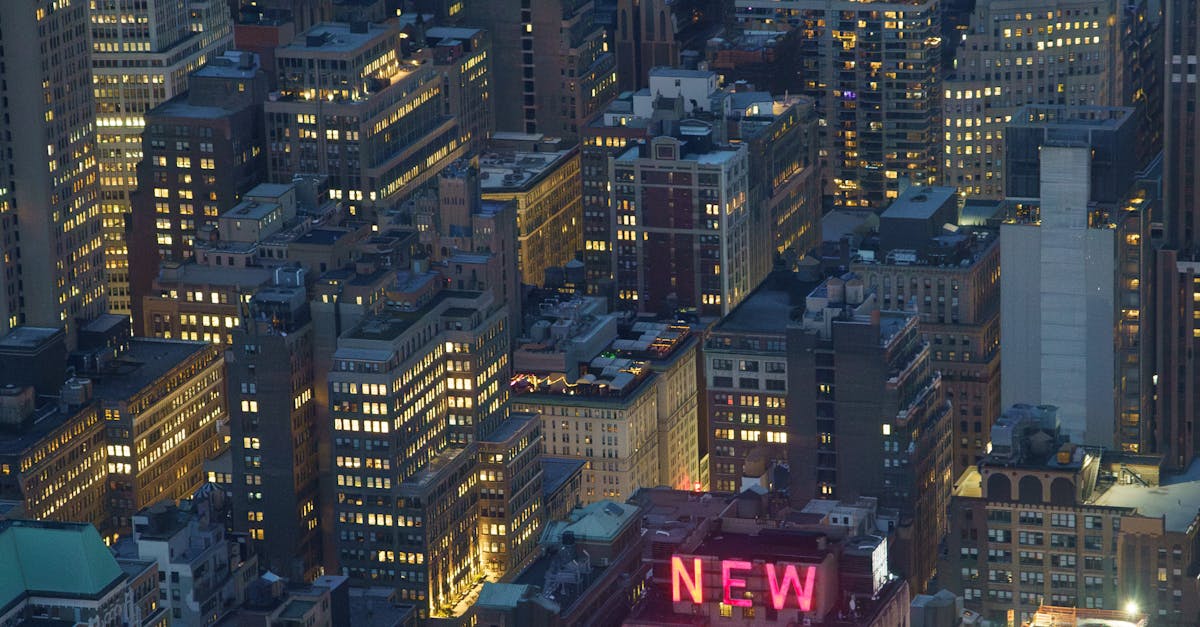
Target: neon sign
[{"x": 686, "y": 583}]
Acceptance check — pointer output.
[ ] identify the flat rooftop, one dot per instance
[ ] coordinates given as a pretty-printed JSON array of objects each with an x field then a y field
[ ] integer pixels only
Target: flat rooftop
[
  {"x": 517, "y": 170},
  {"x": 147, "y": 360},
  {"x": 769, "y": 307},
  {"x": 919, "y": 203},
  {"x": 322, "y": 237},
  {"x": 1176, "y": 499},
  {"x": 335, "y": 37},
  {"x": 28, "y": 337},
  {"x": 557, "y": 470},
  {"x": 389, "y": 324},
  {"x": 192, "y": 273},
  {"x": 510, "y": 427},
  {"x": 45, "y": 420}
]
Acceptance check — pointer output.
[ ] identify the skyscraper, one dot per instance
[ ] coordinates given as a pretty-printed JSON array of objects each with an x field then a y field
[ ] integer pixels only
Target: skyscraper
[
  {"x": 1019, "y": 52},
  {"x": 645, "y": 39},
  {"x": 142, "y": 53},
  {"x": 874, "y": 70},
  {"x": 49, "y": 218},
  {"x": 553, "y": 69},
  {"x": 1177, "y": 268},
  {"x": 1073, "y": 163}
]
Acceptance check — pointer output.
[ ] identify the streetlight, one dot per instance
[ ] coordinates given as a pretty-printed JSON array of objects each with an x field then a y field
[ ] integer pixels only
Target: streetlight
[{"x": 1131, "y": 608}]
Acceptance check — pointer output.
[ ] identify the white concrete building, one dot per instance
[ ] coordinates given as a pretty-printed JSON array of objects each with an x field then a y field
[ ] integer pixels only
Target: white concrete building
[{"x": 1057, "y": 312}]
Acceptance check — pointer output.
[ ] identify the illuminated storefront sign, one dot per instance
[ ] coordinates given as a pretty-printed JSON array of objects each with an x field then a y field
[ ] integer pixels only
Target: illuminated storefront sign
[{"x": 784, "y": 582}]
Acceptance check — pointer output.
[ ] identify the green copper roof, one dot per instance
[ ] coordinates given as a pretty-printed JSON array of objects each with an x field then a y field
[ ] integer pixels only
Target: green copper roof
[{"x": 52, "y": 558}]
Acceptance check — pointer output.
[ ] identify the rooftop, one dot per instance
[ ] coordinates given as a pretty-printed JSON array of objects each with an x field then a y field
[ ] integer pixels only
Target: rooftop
[
  {"x": 557, "y": 470},
  {"x": 1176, "y": 499},
  {"x": 510, "y": 427},
  {"x": 28, "y": 337},
  {"x": 517, "y": 171},
  {"x": 503, "y": 595},
  {"x": 231, "y": 64},
  {"x": 322, "y": 237},
  {"x": 146, "y": 361},
  {"x": 601, "y": 521},
  {"x": 46, "y": 419},
  {"x": 192, "y": 273},
  {"x": 392, "y": 322},
  {"x": 333, "y": 37},
  {"x": 53, "y": 559},
  {"x": 919, "y": 203},
  {"x": 769, "y": 307}
]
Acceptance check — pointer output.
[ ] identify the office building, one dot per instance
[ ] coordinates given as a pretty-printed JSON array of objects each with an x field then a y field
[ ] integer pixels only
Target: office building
[
  {"x": 952, "y": 278},
  {"x": 745, "y": 371},
  {"x": 562, "y": 480},
  {"x": 861, "y": 386},
  {"x": 1177, "y": 265},
  {"x": 272, "y": 429},
  {"x": 96, "y": 588},
  {"x": 874, "y": 71},
  {"x": 50, "y": 223},
  {"x": 1043, "y": 521},
  {"x": 1020, "y": 52},
  {"x": 1071, "y": 167},
  {"x": 545, "y": 186},
  {"x": 548, "y": 84},
  {"x": 781, "y": 135},
  {"x": 402, "y": 381},
  {"x": 141, "y": 56},
  {"x": 479, "y": 238},
  {"x": 53, "y": 456},
  {"x": 464, "y": 56},
  {"x": 367, "y": 117},
  {"x": 511, "y": 510},
  {"x": 644, "y": 39},
  {"x": 701, "y": 253},
  {"x": 162, "y": 402},
  {"x": 200, "y": 152},
  {"x": 605, "y": 414}
]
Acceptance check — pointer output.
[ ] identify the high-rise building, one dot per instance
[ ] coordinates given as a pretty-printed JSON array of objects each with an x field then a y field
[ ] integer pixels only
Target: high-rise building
[
  {"x": 1177, "y": 263},
  {"x": 869, "y": 416},
  {"x": 203, "y": 570},
  {"x": 401, "y": 381},
  {"x": 1023, "y": 52},
  {"x": 49, "y": 212},
  {"x": 874, "y": 71},
  {"x": 684, "y": 226},
  {"x": 352, "y": 107},
  {"x": 553, "y": 68},
  {"x": 273, "y": 445},
  {"x": 953, "y": 281},
  {"x": 163, "y": 402},
  {"x": 141, "y": 56},
  {"x": 1069, "y": 168},
  {"x": 464, "y": 56},
  {"x": 511, "y": 505},
  {"x": 645, "y": 39},
  {"x": 781, "y": 134},
  {"x": 52, "y": 457},
  {"x": 545, "y": 187},
  {"x": 1043, "y": 521},
  {"x": 200, "y": 152},
  {"x": 745, "y": 371}
]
